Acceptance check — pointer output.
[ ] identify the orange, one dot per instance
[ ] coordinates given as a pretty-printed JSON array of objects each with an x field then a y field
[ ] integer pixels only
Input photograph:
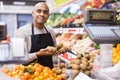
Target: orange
[
  {"x": 20, "y": 73},
  {"x": 26, "y": 75},
  {"x": 45, "y": 75},
  {"x": 36, "y": 78},
  {"x": 14, "y": 73},
  {"x": 51, "y": 78},
  {"x": 54, "y": 69},
  {"x": 40, "y": 77},
  {"x": 36, "y": 74},
  {"x": 5, "y": 71},
  {"x": 10, "y": 74},
  {"x": 22, "y": 68},
  {"x": 36, "y": 66},
  {"x": 30, "y": 66},
  {"x": 46, "y": 69},
  {"x": 23, "y": 78},
  {"x": 59, "y": 77},
  {"x": 39, "y": 69},
  {"x": 17, "y": 67}
]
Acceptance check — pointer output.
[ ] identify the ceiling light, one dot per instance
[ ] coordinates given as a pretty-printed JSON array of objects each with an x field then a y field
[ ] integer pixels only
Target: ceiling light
[
  {"x": 18, "y": 3},
  {"x": 1, "y": 4}
]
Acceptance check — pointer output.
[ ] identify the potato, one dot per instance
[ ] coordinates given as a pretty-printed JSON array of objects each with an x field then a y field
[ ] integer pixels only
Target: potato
[
  {"x": 58, "y": 71},
  {"x": 59, "y": 45},
  {"x": 75, "y": 67},
  {"x": 87, "y": 56},
  {"x": 83, "y": 66},
  {"x": 64, "y": 77},
  {"x": 51, "y": 49},
  {"x": 78, "y": 61},
  {"x": 73, "y": 61},
  {"x": 54, "y": 69},
  {"x": 78, "y": 56},
  {"x": 61, "y": 50},
  {"x": 85, "y": 62},
  {"x": 84, "y": 59},
  {"x": 63, "y": 70},
  {"x": 90, "y": 66},
  {"x": 91, "y": 59},
  {"x": 62, "y": 64},
  {"x": 65, "y": 48},
  {"x": 87, "y": 72}
]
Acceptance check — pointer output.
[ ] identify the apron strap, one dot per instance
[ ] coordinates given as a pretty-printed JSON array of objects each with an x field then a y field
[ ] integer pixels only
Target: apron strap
[
  {"x": 46, "y": 29},
  {"x": 33, "y": 29}
]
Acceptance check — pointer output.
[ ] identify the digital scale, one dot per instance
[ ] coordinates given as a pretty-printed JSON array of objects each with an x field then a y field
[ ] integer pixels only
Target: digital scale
[
  {"x": 11, "y": 52},
  {"x": 100, "y": 24}
]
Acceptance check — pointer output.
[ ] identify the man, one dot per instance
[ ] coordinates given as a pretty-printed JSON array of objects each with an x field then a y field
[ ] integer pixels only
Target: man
[{"x": 38, "y": 37}]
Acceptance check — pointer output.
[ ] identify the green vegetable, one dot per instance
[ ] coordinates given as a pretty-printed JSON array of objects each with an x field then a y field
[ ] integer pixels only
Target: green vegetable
[
  {"x": 29, "y": 70},
  {"x": 97, "y": 46}
]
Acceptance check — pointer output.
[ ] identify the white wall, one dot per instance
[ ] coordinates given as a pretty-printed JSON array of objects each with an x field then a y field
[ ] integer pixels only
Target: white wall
[{"x": 16, "y": 9}]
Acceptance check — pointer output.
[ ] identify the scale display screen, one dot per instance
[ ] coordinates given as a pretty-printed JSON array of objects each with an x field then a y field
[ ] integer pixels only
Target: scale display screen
[{"x": 100, "y": 16}]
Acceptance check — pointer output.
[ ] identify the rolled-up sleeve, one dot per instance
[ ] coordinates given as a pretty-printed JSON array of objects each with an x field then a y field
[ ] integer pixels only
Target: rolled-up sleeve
[{"x": 25, "y": 32}]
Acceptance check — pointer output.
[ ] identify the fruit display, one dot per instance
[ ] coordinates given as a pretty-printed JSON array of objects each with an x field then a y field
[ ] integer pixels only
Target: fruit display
[
  {"x": 32, "y": 72},
  {"x": 56, "y": 19},
  {"x": 82, "y": 63},
  {"x": 85, "y": 45},
  {"x": 35, "y": 71},
  {"x": 85, "y": 49},
  {"x": 79, "y": 43},
  {"x": 94, "y": 3},
  {"x": 69, "y": 39},
  {"x": 116, "y": 54}
]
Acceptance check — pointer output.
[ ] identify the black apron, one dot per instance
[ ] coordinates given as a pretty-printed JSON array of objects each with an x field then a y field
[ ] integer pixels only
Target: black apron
[{"x": 40, "y": 41}]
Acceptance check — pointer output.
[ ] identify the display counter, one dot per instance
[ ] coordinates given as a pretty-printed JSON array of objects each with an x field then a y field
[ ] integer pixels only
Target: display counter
[{"x": 100, "y": 76}]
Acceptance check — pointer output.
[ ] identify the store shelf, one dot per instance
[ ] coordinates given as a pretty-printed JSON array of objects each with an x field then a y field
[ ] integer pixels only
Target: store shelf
[{"x": 69, "y": 30}]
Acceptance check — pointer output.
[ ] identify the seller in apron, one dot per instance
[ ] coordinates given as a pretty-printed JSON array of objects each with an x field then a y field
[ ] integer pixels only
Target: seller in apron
[
  {"x": 41, "y": 41},
  {"x": 38, "y": 37}
]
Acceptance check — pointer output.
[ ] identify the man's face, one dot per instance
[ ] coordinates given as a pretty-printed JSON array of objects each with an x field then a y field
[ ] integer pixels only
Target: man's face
[{"x": 40, "y": 13}]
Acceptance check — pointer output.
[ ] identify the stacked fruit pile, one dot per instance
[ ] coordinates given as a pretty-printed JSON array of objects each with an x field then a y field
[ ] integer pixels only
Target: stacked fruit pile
[
  {"x": 82, "y": 63},
  {"x": 116, "y": 54},
  {"x": 33, "y": 72}
]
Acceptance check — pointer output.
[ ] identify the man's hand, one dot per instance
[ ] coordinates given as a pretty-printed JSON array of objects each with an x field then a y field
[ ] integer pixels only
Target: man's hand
[{"x": 46, "y": 51}]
